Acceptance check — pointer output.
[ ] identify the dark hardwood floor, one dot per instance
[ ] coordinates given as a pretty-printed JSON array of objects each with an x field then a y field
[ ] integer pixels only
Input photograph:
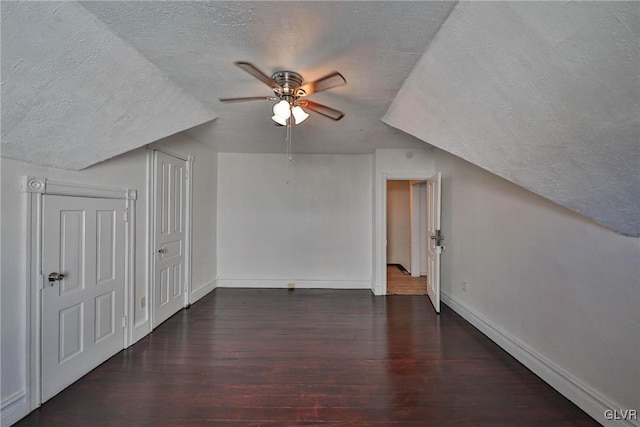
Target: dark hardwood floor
[{"x": 249, "y": 357}]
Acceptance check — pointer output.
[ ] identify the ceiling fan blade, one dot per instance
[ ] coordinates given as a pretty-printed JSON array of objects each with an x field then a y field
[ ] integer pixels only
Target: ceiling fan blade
[
  {"x": 249, "y": 98},
  {"x": 255, "y": 72},
  {"x": 327, "y": 82},
  {"x": 332, "y": 113}
]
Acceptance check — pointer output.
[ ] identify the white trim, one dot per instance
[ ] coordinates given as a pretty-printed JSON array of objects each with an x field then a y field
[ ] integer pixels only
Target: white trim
[
  {"x": 13, "y": 408},
  {"x": 40, "y": 185},
  {"x": 415, "y": 212},
  {"x": 379, "y": 284},
  {"x": 299, "y": 284},
  {"x": 188, "y": 229},
  {"x": 130, "y": 264},
  {"x": 33, "y": 235},
  {"x": 186, "y": 158},
  {"x": 35, "y": 188},
  {"x": 203, "y": 290},
  {"x": 140, "y": 330},
  {"x": 151, "y": 235},
  {"x": 585, "y": 397}
]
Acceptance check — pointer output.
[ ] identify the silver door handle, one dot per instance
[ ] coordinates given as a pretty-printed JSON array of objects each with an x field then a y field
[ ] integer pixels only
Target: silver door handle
[
  {"x": 162, "y": 251},
  {"x": 55, "y": 276}
]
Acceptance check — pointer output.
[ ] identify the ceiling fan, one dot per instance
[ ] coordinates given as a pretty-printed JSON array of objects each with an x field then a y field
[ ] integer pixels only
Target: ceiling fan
[{"x": 291, "y": 91}]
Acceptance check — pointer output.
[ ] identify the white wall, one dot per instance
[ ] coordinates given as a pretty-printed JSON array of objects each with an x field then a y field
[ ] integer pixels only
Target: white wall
[
  {"x": 558, "y": 291},
  {"x": 128, "y": 171},
  {"x": 307, "y": 221},
  {"x": 204, "y": 213},
  {"x": 398, "y": 224}
]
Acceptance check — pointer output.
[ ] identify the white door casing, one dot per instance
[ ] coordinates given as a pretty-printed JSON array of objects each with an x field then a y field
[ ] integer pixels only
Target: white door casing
[
  {"x": 170, "y": 231},
  {"x": 434, "y": 249},
  {"x": 418, "y": 228},
  {"x": 36, "y": 189},
  {"x": 83, "y": 313},
  {"x": 379, "y": 282}
]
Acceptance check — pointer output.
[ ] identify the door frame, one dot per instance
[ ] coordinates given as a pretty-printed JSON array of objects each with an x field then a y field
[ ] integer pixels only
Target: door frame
[
  {"x": 151, "y": 222},
  {"x": 380, "y": 247},
  {"x": 35, "y": 188},
  {"x": 417, "y": 211}
]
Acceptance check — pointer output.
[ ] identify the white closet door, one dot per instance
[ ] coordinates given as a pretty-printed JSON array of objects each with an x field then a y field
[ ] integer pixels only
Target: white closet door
[{"x": 83, "y": 297}]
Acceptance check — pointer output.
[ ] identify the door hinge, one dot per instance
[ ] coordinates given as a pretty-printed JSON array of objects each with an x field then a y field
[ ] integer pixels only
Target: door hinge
[
  {"x": 124, "y": 321},
  {"x": 125, "y": 215},
  {"x": 40, "y": 282},
  {"x": 186, "y": 174},
  {"x": 438, "y": 237}
]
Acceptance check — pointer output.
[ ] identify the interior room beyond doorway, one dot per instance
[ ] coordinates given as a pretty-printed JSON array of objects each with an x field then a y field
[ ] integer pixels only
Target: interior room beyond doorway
[{"x": 406, "y": 225}]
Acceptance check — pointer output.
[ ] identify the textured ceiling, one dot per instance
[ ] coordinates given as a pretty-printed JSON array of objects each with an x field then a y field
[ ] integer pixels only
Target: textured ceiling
[
  {"x": 74, "y": 94},
  {"x": 83, "y": 82},
  {"x": 373, "y": 44},
  {"x": 545, "y": 94}
]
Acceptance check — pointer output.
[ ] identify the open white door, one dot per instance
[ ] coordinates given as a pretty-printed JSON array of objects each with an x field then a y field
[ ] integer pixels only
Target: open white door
[
  {"x": 170, "y": 211},
  {"x": 434, "y": 247},
  {"x": 83, "y": 264}
]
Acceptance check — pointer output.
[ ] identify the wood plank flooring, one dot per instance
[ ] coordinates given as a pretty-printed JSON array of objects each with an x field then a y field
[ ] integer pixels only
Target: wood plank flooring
[
  {"x": 268, "y": 357},
  {"x": 399, "y": 283}
]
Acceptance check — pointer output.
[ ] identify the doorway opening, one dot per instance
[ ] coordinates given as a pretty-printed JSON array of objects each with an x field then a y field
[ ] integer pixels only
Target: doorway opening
[{"x": 406, "y": 225}]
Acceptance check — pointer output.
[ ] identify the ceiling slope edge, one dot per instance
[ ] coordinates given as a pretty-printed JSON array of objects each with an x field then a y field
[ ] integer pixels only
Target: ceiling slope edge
[
  {"x": 545, "y": 95},
  {"x": 75, "y": 94}
]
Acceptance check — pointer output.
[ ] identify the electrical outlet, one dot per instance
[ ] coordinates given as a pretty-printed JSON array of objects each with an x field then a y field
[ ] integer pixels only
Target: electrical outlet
[
  {"x": 143, "y": 302},
  {"x": 464, "y": 286},
  {"x": 291, "y": 285}
]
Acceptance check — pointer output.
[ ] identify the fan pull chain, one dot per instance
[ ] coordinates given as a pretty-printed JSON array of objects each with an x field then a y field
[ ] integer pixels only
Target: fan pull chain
[{"x": 289, "y": 138}]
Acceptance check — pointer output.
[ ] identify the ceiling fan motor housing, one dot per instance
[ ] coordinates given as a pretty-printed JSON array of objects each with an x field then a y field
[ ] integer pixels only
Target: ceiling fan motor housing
[{"x": 290, "y": 82}]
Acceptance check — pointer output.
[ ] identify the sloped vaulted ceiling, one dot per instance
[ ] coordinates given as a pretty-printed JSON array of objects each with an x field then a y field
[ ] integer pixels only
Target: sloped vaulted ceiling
[
  {"x": 74, "y": 94},
  {"x": 374, "y": 44},
  {"x": 544, "y": 94},
  {"x": 85, "y": 81}
]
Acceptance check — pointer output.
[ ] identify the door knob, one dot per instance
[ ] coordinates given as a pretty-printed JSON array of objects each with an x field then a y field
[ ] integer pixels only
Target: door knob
[
  {"x": 162, "y": 251},
  {"x": 55, "y": 276}
]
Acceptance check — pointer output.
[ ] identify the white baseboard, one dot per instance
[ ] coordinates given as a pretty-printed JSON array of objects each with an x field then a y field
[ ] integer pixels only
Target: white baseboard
[
  {"x": 203, "y": 290},
  {"x": 585, "y": 397},
  {"x": 143, "y": 328},
  {"x": 13, "y": 408},
  {"x": 299, "y": 284},
  {"x": 140, "y": 330}
]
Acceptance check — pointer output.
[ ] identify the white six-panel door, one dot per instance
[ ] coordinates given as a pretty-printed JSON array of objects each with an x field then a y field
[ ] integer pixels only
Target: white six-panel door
[
  {"x": 170, "y": 182},
  {"x": 83, "y": 310},
  {"x": 434, "y": 248}
]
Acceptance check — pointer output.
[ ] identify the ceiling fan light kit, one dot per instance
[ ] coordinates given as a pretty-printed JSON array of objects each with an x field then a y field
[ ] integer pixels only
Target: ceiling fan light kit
[
  {"x": 291, "y": 91},
  {"x": 279, "y": 120},
  {"x": 299, "y": 115},
  {"x": 282, "y": 109}
]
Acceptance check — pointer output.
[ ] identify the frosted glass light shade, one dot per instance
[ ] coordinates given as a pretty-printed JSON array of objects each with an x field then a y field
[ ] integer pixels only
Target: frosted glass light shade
[
  {"x": 282, "y": 109},
  {"x": 299, "y": 114},
  {"x": 280, "y": 120}
]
